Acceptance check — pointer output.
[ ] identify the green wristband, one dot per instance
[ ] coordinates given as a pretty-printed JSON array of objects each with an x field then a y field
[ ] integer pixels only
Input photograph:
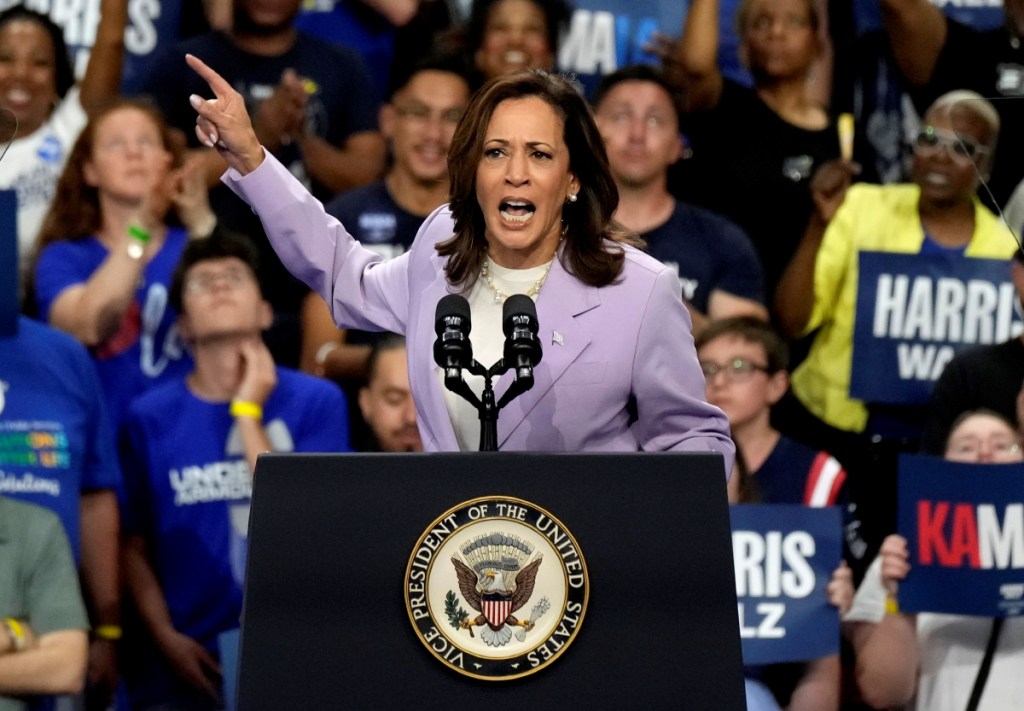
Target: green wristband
[{"x": 139, "y": 234}]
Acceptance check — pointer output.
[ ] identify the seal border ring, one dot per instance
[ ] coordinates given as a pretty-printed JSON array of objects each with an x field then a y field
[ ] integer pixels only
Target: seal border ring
[{"x": 585, "y": 594}]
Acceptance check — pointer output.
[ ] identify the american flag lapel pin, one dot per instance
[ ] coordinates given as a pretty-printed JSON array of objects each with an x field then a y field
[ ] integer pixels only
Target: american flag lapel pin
[{"x": 556, "y": 338}]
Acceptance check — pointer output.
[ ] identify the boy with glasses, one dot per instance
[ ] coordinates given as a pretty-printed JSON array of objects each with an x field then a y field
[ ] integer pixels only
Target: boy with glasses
[
  {"x": 744, "y": 362},
  {"x": 418, "y": 121},
  {"x": 189, "y": 449}
]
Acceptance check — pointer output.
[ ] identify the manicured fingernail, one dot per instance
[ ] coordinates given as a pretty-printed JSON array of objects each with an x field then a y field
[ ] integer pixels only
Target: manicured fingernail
[{"x": 195, "y": 100}]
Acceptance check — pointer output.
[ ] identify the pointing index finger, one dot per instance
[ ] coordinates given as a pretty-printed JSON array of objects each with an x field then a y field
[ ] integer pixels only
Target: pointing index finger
[{"x": 217, "y": 83}]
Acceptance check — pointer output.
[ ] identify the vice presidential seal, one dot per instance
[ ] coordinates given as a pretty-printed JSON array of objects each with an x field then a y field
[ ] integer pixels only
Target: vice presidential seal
[{"x": 496, "y": 588}]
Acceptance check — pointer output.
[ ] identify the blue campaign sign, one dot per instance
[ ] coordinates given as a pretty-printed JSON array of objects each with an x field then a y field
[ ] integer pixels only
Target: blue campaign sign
[
  {"x": 916, "y": 311},
  {"x": 784, "y": 556},
  {"x": 606, "y": 35},
  {"x": 964, "y": 525}
]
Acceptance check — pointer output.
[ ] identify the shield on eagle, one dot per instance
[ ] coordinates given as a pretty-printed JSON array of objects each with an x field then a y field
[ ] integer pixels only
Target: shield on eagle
[{"x": 496, "y": 608}]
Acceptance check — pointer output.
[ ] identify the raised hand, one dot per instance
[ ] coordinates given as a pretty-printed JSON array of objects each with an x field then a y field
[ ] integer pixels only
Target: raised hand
[
  {"x": 191, "y": 197},
  {"x": 223, "y": 122},
  {"x": 829, "y": 185},
  {"x": 895, "y": 562},
  {"x": 840, "y": 588},
  {"x": 281, "y": 117}
]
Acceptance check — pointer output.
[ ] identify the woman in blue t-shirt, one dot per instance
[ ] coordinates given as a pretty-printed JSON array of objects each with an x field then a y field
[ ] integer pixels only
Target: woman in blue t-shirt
[{"x": 108, "y": 247}]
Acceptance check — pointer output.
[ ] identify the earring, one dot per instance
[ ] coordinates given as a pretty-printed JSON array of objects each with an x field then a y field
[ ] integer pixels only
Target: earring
[{"x": 572, "y": 197}]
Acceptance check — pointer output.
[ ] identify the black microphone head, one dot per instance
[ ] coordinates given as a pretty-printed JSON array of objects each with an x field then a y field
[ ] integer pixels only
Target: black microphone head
[
  {"x": 449, "y": 308},
  {"x": 452, "y": 349},
  {"x": 518, "y": 305}
]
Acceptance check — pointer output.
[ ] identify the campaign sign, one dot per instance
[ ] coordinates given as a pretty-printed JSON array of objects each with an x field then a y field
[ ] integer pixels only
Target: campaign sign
[
  {"x": 606, "y": 35},
  {"x": 784, "y": 556},
  {"x": 964, "y": 525},
  {"x": 8, "y": 262},
  {"x": 916, "y": 311}
]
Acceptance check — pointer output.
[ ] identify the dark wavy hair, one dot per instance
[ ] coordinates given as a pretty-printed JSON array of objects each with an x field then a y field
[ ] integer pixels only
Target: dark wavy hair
[
  {"x": 222, "y": 243},
  {"x": 65, "y": 75},
  {"x": 591, "y": 253}
]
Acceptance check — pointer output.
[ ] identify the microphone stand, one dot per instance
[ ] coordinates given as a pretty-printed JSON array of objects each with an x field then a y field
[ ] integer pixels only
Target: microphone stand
[{"x": 485, "y": 404}]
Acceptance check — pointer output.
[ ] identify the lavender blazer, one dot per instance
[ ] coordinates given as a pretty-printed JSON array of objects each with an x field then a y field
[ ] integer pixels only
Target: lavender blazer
[{"x": 602, "y": 346}]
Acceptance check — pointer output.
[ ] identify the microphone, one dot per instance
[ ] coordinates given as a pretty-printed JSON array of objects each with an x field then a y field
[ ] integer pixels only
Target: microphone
[
  {"x": 522, "y": 349},
  {"x": 452, "y": 349}
]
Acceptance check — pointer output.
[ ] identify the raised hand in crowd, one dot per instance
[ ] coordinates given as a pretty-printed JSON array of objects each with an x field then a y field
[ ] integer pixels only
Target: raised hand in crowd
[
  {"x": 829, "y": 186},
  {"x": 281, "y": 117},
  {"x": 191, "y": 197},
  {"x": 794, "y": 296},
  {"x": 840, "y": 588},
  {"x": 895, "y": 562},
  {"x": 257, "y": 381}
]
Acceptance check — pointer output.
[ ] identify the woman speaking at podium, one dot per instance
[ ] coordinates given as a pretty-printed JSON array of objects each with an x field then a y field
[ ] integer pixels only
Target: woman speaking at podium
[{"x": 530, "y": 213}]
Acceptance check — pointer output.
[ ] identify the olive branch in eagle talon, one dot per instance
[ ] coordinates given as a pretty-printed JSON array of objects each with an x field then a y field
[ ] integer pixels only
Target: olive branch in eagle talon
[
  {"x": 456, "y": 613},
  {"x": 497, "y": 585}
]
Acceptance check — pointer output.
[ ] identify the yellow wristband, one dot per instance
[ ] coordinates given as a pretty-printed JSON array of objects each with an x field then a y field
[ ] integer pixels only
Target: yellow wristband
[
  {"x": 244, "y": 408},
  {"x": 892, "y": 606},
  {"x": 17, "y": 633},
  {"x": 110, "y": 632}
]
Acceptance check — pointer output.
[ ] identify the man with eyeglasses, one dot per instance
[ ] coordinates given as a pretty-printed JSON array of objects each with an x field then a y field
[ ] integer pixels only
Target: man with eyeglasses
[
  {"x": 744, "y": 362},
  {"x": 189, "y": 449},
  {"x": 418, "y": 121},
  {"x": 312, "y": 105},
  {"x": 745, "y": 365},
  {"x": 638, "y": 116}
]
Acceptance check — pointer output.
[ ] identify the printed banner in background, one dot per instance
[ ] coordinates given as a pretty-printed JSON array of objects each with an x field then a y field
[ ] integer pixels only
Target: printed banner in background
[
  {"x": 964, "y": 525},
  {"x": 606, "y": 35},
  {"x": 784, "y": 556},
  {"x": 913, "y": 317}
]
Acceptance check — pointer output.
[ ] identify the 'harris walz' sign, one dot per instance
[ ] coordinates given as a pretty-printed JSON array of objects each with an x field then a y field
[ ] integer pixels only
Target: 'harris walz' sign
[
  {"x": 915, "y": 311},
  {"x": 784, "y": 556},
  {"x": 964, "y": 525}
]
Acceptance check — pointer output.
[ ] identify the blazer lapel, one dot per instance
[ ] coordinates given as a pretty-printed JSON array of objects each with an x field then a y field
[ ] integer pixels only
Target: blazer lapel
[{"x": 561, "y": 299}]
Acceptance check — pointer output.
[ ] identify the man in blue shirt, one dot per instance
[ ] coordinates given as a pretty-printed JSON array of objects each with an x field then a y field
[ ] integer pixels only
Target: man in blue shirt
[{"x": 189, "y": 449}]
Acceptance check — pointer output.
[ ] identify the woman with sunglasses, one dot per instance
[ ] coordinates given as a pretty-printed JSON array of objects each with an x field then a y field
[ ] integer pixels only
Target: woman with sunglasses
[{"x": 938, "y": 213}]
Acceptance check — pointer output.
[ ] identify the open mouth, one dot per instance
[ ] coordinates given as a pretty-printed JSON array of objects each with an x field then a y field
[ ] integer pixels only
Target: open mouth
[
  {"x": 517, "y": 211},
  {"x": 17, "y": 97},
  {"x": 936, "y": 179},
  {"x": 515, "y": 56}
]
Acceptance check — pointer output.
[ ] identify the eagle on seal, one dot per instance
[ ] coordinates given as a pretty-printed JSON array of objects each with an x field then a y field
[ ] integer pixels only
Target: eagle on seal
[{"x": 496, "y": 588}]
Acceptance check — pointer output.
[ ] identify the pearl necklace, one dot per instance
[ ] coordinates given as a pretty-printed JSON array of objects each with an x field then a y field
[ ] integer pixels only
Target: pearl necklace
[{"x": 500, "y": 296}]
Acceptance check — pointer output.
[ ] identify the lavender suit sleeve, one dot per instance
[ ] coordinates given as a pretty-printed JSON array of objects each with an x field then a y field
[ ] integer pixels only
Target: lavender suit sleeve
[
  {"x": 363, "y": 290},
  {"x": 673, "y": 412}
]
